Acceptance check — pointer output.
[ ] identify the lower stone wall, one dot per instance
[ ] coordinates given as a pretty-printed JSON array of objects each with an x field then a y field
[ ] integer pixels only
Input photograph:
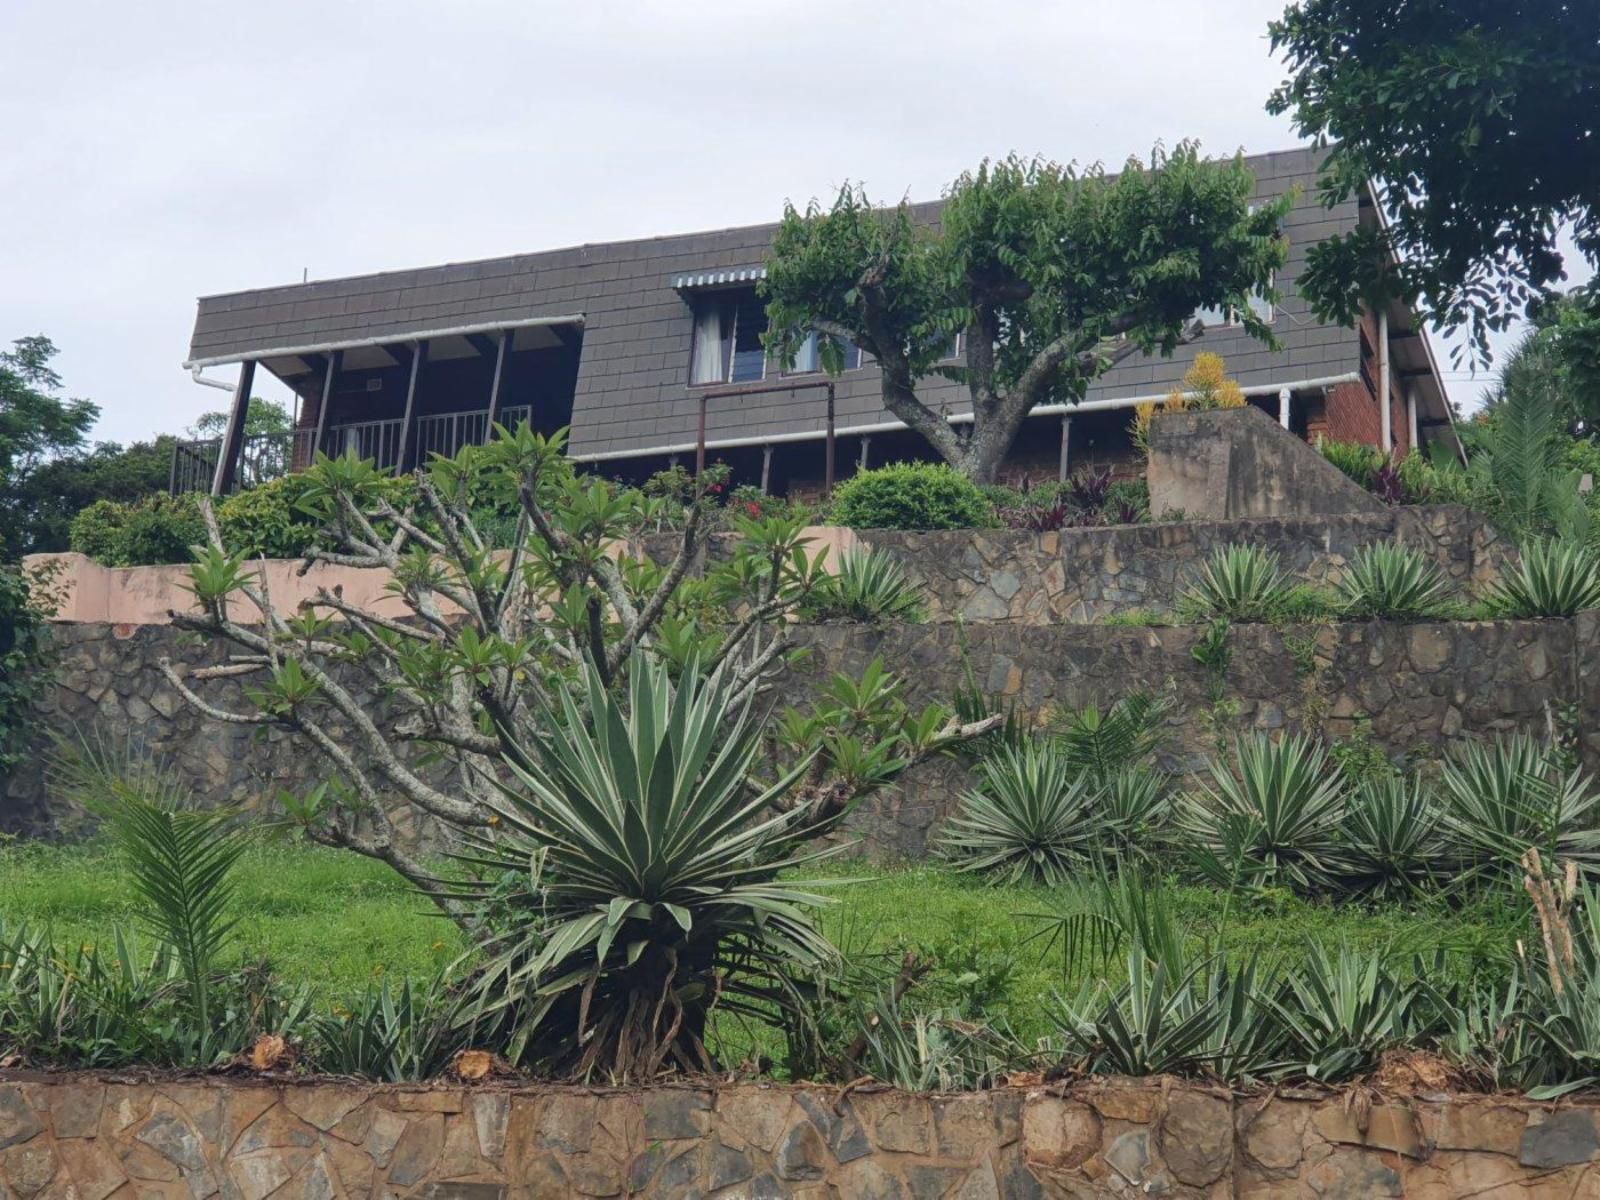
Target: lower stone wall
[
  {"x": 88, "y": 1138},
  {"x": 1087, "y": 575},
  {"x": 1414, "y": 688}
]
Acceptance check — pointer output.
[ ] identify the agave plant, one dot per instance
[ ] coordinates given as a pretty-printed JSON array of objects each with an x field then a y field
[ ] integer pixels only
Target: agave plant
[
  {"x": 1391, "y": 838},
  {"x": 394, "y": 1033},
  {"x": 1031, "y": 817},
  {"x": 1132, "y": 804},
  {"x": 649, "y": 859},
  {"x": 1341, "y": 1012},
  {"x": 1505, "y": 797},
  {"x": 1391, "y": 579},
  {"x": 870, "y": 585},
  {"x": 1237, "y": 583},
  {"x": 1275, "y": 810},
  {"x": 930, "y": 1051},
  {"x": 1554, "y": 578}
]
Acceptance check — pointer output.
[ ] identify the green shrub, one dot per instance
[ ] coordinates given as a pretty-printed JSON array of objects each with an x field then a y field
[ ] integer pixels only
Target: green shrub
[
  {"x": 1356, "y": 459},
  {"x": 1237, "y": 583},
  {"x": 1394, "y": 580},
  {"x": 1553, "y": 578},
  {"x": 157, "y": 529},
  {"x": 266, "y": 521},
  {"x": 910, "y": 496},
  {"x": 26, "y": 659}
]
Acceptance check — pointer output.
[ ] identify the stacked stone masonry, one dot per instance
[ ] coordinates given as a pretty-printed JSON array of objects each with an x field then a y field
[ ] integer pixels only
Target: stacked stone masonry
[
  {"x": 85, "y": 1138},
  {"x": 1086, "y": 575},
  {"x": 1415, "y": 689}
]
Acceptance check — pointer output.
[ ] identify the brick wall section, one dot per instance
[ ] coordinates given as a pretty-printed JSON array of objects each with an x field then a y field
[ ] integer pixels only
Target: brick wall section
[{"x": 176, "y": 1139}]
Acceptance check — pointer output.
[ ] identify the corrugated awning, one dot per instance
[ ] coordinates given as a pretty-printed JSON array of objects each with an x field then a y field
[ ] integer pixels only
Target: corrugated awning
[{"x": 723, "y": 278}]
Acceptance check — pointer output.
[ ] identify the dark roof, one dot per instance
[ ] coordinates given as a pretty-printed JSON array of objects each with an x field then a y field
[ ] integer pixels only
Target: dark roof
[{"x": 632, "y": 394}]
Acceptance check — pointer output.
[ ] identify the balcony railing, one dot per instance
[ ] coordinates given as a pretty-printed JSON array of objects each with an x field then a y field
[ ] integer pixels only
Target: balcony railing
[{"x": 269, "y": 456}]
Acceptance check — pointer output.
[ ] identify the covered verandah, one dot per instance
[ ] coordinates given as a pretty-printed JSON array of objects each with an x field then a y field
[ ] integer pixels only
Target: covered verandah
[{"x": 393, "y": 399}]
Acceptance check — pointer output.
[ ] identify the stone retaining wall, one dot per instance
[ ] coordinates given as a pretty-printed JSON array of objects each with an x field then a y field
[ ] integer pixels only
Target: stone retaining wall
[
  {"x": 1417, "y": 687},
  {"x": 1086, "y": 575},
  {"x": 188, "y": 1139}
]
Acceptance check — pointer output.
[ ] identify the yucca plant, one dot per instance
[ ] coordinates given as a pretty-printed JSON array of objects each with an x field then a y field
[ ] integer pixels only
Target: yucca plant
[
  {"x": 1553, "y": 578},
  {"x": 1391, "y": 579},
  {"x": 390, "y": 1033},
  {"x": 870, "y": 585},
  {"x": 930, "y": 1051},
  {"x": 1392, "y": 843},
  {"x": 650, "y": 860},
  {"x": 1511, "y": 795},
  {"x": 1236, "y": 583},
  {"x": 1341, "y": 1012},
  {"x": 1031, "y": 817},
  {"x": 1276, "y": 810},
  {"x": 1132, "y": 805}
]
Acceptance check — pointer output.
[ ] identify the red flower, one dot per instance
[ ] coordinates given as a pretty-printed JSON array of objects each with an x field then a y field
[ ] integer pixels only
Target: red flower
[{"x": 752, "y": 508}]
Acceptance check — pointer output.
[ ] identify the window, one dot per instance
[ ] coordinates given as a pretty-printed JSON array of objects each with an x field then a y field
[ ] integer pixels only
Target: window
[
  {"x": 727, "y": 338},
  {"x": 1213, "y": 317},
  {"x": 808, "y": 358}
]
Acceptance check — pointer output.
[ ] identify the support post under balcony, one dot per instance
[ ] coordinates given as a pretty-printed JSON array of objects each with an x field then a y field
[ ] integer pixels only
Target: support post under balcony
[
  {"x": 335, "y": 361},
  {"x": 233, "y": 438},
  {"x": 406, "y": 459}
]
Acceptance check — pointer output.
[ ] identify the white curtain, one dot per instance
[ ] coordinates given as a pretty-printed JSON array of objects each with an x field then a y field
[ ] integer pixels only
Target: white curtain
[
  {"x": 805, "y": 358},
  {"x": 706, "y": 365}
]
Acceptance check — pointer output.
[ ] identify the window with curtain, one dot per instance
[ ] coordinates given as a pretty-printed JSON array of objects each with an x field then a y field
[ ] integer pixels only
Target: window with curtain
[
  {"x": 808, "y": 359},
  {"x": 727, "y": 338}
]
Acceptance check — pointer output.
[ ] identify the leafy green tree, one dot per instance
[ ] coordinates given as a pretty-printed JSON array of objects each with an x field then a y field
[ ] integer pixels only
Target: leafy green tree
[
  {"x": 263, "y": 417},
  {"x": 52, "y": 495},
  {"x": 1051, "y": 276},
  {"x": 1476, "y": 119},
  {"x": 36, "y": 424}
]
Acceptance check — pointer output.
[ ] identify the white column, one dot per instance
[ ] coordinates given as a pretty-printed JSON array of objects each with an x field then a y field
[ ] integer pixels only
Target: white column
[
  {"x": 766, "y": 468},
  {"x": 1066, "y": 440},
  {"x": 861, "y": 462},
  {"x": 1383, "y": 381},
  {"x": 1283, "y": 407},
  {"x": 1411, "y": 415}
]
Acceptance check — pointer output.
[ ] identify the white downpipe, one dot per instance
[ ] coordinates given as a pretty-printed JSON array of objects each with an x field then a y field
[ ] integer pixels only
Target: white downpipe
[
  {"x": 1384, "y": 414},
  {"x": 1283, "y": 407},
  {"x": 194, "y": 373},
  {"x": 1411, "y": 417}
]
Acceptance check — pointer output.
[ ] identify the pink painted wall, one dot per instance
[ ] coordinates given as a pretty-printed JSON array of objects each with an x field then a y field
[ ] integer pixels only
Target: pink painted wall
[{"x": 149, "y": 595}]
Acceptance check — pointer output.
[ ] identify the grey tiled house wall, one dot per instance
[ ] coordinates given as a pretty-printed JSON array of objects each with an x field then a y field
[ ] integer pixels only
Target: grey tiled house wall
[{"x": 632, "y": 390}]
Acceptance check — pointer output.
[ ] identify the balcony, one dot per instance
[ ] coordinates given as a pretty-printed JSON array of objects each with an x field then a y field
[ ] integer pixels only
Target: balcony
[{"x": 270, "y": 456}]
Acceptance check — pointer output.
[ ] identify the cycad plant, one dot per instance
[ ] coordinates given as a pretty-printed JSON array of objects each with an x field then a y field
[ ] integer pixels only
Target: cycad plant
[
  {"x": 180, "y": 860},
  {"x": 1031, "y": 817},
  {"x": 648, "y": 860},
  {"x": 1394, "y": 580},
  {"x": 1237, "y": 583},
  {"x": 1506, "y": 797},
  {"x": 1392, "y": 841},
  {"x": 1275, "y": 810},
  {"x": 1553, "y": 578}
]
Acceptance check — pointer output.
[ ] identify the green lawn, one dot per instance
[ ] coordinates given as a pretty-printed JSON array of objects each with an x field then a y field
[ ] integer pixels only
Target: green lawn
[{"x": 335, "y": 921}]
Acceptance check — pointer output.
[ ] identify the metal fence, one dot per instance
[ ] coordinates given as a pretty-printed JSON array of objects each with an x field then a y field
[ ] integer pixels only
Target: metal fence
[{"x": 274, "y": 455}]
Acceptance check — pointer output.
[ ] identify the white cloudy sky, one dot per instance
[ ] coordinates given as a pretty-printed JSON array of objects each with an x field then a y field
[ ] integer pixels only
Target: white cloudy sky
[{"x": 162, "y": 151}]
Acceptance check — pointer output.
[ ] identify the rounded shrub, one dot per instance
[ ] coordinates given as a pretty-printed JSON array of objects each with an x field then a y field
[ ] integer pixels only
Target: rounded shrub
[
  {"x": 911, "y": 496},
  {"x": 266, "y": 521},
  {"x": 157, "y": 529}
]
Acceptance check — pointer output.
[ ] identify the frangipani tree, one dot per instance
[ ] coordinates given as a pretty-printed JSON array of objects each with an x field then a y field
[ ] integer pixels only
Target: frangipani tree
[
  {"x": 1050, "y": 276},
  {"x": 425, "y": 709}
]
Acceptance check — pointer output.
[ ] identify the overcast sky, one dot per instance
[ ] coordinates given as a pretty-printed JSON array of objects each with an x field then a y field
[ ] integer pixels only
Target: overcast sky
[{"x": 163, "y": 151}]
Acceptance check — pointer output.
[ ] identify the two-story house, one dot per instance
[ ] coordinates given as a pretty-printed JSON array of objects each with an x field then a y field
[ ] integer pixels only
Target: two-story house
[{"x": 651, "y": 349}]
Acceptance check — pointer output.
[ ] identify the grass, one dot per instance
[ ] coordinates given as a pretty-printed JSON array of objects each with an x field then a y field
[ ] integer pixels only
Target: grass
[{"x": 336, "y": 922}]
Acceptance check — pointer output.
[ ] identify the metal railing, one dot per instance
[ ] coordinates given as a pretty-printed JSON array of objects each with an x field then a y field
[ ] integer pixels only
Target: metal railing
[{"x": 269, "y": 456}]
